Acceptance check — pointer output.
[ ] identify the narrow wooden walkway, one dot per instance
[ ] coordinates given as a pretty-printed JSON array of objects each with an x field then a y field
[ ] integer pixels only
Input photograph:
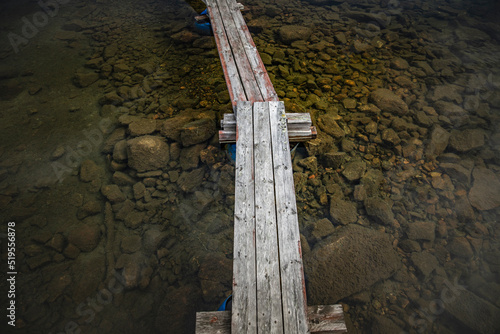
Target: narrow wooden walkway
[
  {"x": 246, "y": 76},
  {"x": 268, "y": 282}
]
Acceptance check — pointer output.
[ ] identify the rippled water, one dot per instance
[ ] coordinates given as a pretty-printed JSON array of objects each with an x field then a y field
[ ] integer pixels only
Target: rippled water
[{"x": 398, "y": 196}]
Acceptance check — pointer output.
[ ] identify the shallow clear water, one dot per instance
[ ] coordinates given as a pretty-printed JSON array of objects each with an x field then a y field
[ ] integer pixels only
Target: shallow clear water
[{"x": 405, "y": 97}]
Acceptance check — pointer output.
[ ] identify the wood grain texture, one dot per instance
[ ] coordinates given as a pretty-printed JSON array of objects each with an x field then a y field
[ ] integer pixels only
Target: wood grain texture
[
  {"x": 294, "y": 120},
  {"x": 213, "y": 322},
  {"x": 298, "y": 125},
  {"x": 228, "y": 62},
  {"x": 258, "y": 68},
  {"x": 324, "y": 319},
  {"x": 295, "y": 136},
  {"x": 269, "y": 308},
  {"x": 292, "y": 275},
  {"x": 238, "y": 47},
  {"x": 244, "y": 317}
]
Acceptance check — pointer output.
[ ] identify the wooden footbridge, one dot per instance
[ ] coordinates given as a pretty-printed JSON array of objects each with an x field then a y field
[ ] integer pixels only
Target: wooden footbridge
[{"x": 269, "y": 293}]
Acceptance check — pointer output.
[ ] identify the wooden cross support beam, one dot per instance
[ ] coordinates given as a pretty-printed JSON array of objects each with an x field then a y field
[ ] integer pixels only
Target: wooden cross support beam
[
  {"x": 324, "y": 319},
  {"x": 299, "y": 126}
]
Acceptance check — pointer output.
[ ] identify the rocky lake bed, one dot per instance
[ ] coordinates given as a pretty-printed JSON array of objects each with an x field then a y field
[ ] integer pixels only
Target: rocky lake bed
[{"x": 123, "y": 197}]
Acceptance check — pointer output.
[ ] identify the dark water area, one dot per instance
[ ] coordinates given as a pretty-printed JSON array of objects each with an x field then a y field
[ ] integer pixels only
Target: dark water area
[{"x": 120, "y": 197}]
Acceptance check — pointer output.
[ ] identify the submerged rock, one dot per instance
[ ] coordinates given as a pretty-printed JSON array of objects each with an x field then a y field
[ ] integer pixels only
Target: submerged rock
[
  {"x": 189, "y": 181},
  {"x": 333, "y": 159},
  {"x": 350, "y": 261},
  {"x": 291, "y": 33},
  {"x": 379, "y": 209},
  {"x": 485, "y": 191},
  {"x": 132, "y": 265},
  {"x": 197, "y": 131},
  {"x": 142, "y": 126},
  {"x": 177, "y": 311},
  {"x": 354, "y": 170},
  {"x": 322, "y": 228},
  {"x": 425, "y": 262},
  {"x": 88, "y": 273},
  {"x": 391, "y": 137},
  {"x": 215, "y": 276},
  {"x": 328, "y": 124},
  {"x": 85, "y": 237},
  {"x": 471, "y": 310},
  {"x": 438, "y": 142},
  {"x": 384, "y": 325},
  {"x": 172, "y": 127},
  {"x": 343, "y": 212},
  {"x": 147, "y": 153},
  {"x": 83, "y": 80},
  {"x": 387, "y": 101},
  {"x": 89, "y": 171},
  {"x": 421, "y": 231},
  {"x": 113, "y": 193},
  {"x": 461, "y": 247},
  {"x": 190, "y": 156},
  {"x": 466, "y": 140},
  {"x": 399, "y": 64}
]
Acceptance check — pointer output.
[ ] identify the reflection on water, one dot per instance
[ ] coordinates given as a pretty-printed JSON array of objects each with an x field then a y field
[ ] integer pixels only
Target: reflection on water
[{"x": 122, "y": 197}]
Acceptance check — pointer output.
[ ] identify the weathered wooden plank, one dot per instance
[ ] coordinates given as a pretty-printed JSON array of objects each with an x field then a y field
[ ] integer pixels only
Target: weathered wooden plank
[
  {"x": 213, "y": 322},
  {"x": 270, "y": 318},
  {"x": 324, "y": 319},
  {"x": 238, "y": 46},
  {"x": 295, "y": 136},
  {"x": 228, "y": 62},
  {"x": 244, "y": 317},
  {"x": 259, "y": 70},
  {"x": 292, "y": 275}
]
